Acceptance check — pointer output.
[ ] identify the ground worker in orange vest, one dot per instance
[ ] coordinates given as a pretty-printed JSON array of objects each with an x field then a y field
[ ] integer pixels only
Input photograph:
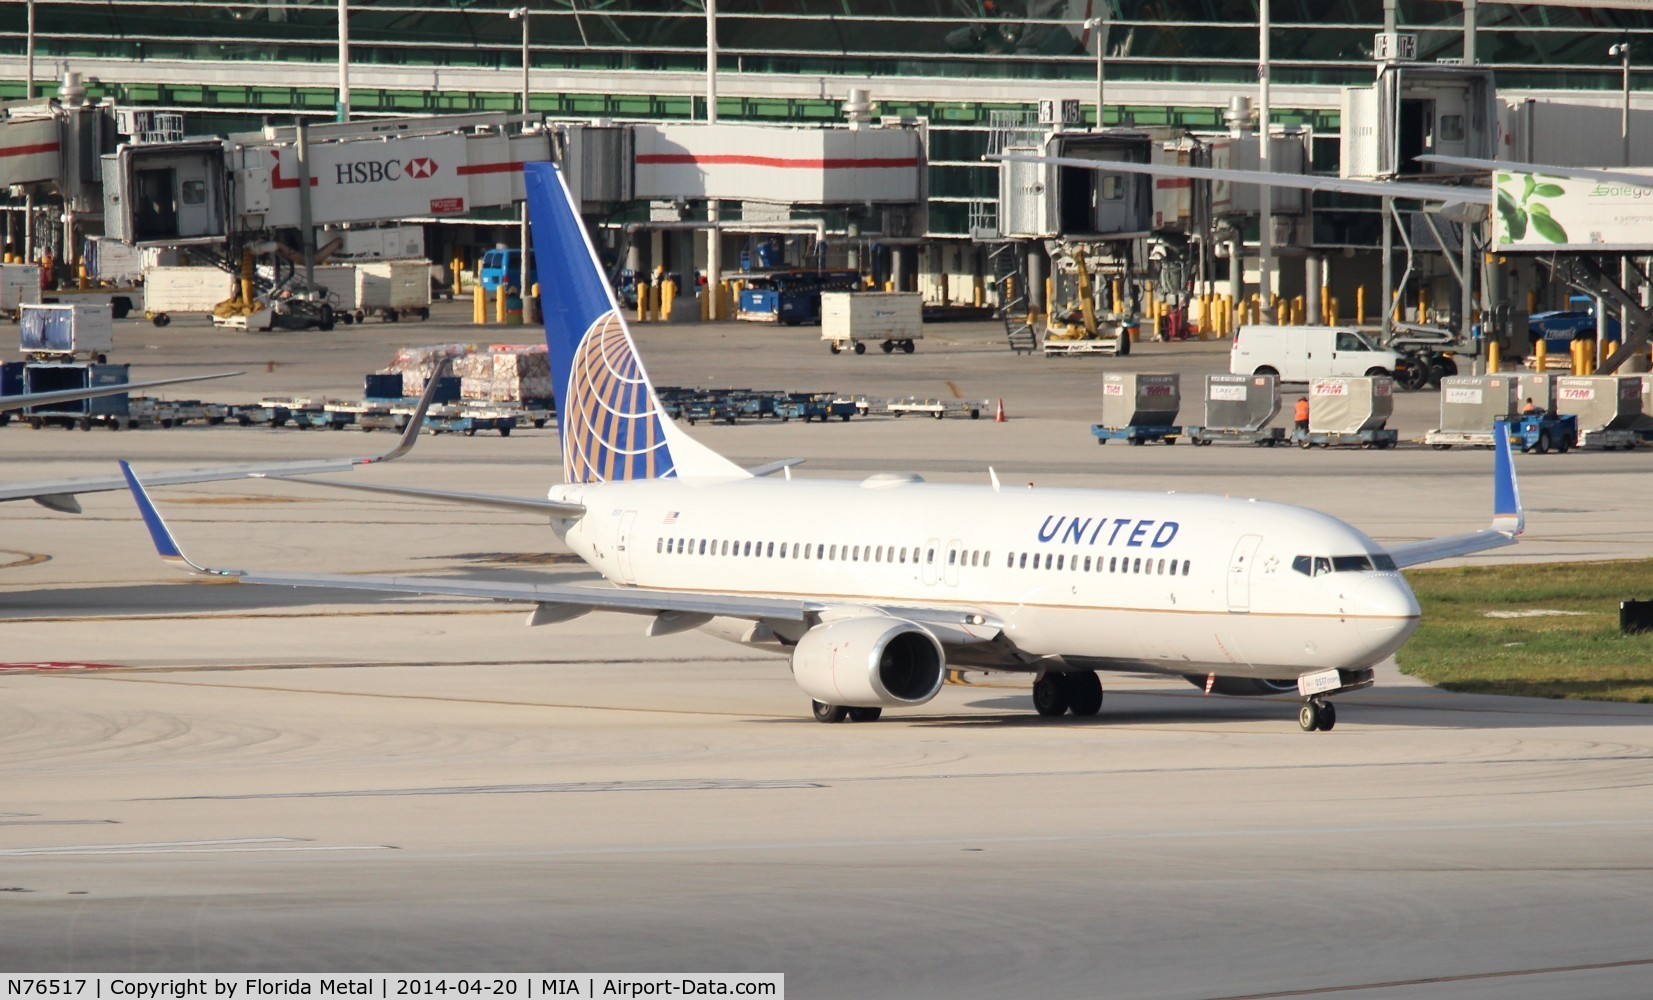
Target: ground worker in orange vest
[{"x": 1302, "y": 414}]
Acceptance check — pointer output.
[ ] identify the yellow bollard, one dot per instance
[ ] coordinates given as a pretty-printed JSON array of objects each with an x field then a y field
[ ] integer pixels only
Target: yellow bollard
[
  {"x": 1492, "y": 357},
  {"x": 668, "y": 296},
  {"x": 978, "y": 291},
  {"x": 1325, "y": 304},
  {"x": 1332, "y": 311},
  {"x": 457, "y": 268},
  {"x": 499, "y": 302},
  {"x": 1118, "y": 298},
  {"x": 1423, "y": 305},
  {"x": 1156, "y": 322},
  {"x": 1541, "y": 355},
  {"x": 1360, "y": 306},
  {"x": 642, "y": 302},
  {"x": 1050, "y": 291},
  {"x": 705, "y": 303},
  {"x": 1008, "y": 290},
  {"x": 247, "y": 276},
  {"x": 889, "y": 286},
  {"x": 479, "y": 305},
  {"x": 1532, "y": 303}
]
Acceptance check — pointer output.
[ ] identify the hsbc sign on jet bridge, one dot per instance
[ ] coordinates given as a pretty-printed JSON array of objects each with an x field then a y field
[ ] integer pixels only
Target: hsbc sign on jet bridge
[{"x": 361, "y": 181}]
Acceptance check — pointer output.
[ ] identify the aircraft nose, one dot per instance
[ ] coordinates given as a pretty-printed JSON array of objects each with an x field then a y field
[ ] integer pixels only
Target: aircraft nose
[{"x": 1387, "y": 604}]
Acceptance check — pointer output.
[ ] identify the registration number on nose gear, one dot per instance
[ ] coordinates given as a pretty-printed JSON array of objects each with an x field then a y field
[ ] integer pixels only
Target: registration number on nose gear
[{"x": 1319, "y": 683}]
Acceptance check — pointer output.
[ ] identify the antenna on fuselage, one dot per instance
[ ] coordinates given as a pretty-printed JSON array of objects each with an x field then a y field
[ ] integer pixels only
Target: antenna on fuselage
[{"x": 993, "y": 476}]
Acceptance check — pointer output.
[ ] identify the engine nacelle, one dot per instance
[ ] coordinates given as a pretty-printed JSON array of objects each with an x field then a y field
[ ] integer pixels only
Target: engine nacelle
[
  {"x": 869, "y": 663},
  {"x": 1244, "y": 685}
]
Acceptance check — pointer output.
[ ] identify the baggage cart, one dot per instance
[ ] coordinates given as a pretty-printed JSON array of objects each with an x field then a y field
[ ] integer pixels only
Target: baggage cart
[
  {"x": 937, "y": 408},
  {"x": 1137, "y": 434}
]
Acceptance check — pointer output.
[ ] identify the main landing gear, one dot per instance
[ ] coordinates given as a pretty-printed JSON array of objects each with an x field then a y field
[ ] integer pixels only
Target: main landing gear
[
  {"x": 1317, "y": 714},
  {"x": 1079, "y": 692},
  {"x": 838, "y": 713}
]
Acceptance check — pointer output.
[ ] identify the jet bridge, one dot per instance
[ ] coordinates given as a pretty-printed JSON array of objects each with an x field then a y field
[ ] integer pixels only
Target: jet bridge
[{"x": 210, "y": 190}]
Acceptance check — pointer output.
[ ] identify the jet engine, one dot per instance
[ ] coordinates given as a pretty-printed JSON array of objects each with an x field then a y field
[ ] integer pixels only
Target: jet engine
[
  {"x": 1244, "y": 685},
  {"x": 869, "y": 662}
]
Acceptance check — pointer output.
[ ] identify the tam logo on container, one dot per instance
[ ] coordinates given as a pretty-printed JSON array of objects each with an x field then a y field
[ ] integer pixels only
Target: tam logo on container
[
  {"x": 1580, "y": 393},
  {"x": 1113, "y": 389},
  {"x": 1331, "y": 389}
]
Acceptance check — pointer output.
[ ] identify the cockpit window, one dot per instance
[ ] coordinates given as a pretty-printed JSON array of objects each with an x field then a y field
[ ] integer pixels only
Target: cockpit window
[
  {"x": 1321, "y": 565},
  {"x": 1385, "y": 563}
]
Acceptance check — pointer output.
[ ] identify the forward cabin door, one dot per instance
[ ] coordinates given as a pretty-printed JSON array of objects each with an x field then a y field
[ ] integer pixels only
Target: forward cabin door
[
  {"x": 622, "y": 547},
  {"x": 1239, "y": 572}
]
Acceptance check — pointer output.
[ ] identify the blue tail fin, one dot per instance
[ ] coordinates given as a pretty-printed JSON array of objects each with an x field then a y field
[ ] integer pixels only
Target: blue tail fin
[{"x": 611, "y": 424}]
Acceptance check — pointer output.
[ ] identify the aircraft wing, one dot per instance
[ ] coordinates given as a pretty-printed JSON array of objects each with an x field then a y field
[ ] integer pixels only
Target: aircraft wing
[
  {"x": 551, "y": 508},
  {"x": 1636, "y": 177},
  {"x": 59, "y": 494},
  {"x": 1508, "y": 517},
  {"x": 70, "y": 395},
  {"x": 673, "y": 611}
]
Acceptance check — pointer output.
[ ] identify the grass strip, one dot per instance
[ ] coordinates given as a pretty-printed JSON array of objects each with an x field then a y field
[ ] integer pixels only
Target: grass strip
[{"x": 1563, "y": 641}]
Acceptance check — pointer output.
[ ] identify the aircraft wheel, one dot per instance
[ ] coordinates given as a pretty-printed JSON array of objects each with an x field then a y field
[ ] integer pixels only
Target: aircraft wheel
[
  {"x": 1084, "y": 693},
  {"x": 1050, "y": 695},
  {"x": 865, "y": 714},
  {"x": 828, "y": 713},
  {"x": 1308, "y": 717},
  {"x": 1328, "y": 716}
]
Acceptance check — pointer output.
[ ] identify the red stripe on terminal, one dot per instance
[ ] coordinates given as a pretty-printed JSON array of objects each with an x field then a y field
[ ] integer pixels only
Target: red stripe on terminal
[
  {"x": 784, "y": 163},
  {"x": 490, "y": 168},
  {"x": 1173, "y": 182},
  {"x": 39, "y": 147}
]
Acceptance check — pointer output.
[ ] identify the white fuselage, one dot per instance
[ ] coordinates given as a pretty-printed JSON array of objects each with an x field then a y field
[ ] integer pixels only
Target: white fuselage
[{"x": 1182, "y": 584}]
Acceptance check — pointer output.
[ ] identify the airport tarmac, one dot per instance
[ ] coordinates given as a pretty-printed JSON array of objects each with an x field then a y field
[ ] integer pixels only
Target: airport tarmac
[{"x": 275, "y": 780}]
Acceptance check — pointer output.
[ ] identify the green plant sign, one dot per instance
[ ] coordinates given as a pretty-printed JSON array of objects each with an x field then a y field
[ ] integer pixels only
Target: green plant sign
[{"x": 1523, "y": 203}]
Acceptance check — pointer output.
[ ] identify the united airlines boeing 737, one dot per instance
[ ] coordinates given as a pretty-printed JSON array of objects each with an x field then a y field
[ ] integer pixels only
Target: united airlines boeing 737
[{"x": 875, "y": 588}]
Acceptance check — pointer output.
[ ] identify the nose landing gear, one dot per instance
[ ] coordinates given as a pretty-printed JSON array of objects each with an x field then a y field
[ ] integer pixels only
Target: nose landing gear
[{"x": 1317, "y": 714}]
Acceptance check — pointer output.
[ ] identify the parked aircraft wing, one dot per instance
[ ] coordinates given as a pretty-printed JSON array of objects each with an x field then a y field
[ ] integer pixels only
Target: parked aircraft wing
[
  {"x": 59, "y": 494},
  {"x": 70, "y": 395},
  {"x": 1585, "y": 173},
  {"x": 1508, "y": 516}
]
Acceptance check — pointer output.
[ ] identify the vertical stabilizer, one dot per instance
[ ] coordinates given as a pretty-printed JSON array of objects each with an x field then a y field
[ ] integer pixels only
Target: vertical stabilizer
[{"x": 610, "y": 421}]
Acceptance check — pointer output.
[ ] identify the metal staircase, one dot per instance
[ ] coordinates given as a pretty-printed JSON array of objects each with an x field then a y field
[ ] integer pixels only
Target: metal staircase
[{"x": 1011, "y": 281}]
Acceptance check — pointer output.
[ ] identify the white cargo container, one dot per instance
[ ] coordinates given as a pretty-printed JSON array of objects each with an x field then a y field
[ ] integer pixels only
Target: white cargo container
[
  {"x": 852, "y": 320},
  {"x": 185, "y": 290},
  {"x": 67, "y": 330},
  {"x": 19, "y": 284},
  {"x": 340, "y": 282},
  {"x": 393, "y": 289}
]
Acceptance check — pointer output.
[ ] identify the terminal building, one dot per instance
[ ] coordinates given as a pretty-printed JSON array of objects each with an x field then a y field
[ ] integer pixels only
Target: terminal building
[{"x": 967, "y": 77}]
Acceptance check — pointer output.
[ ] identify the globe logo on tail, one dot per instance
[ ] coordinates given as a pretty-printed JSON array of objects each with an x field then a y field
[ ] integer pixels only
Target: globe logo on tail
[{"x": 611, "y": 423}]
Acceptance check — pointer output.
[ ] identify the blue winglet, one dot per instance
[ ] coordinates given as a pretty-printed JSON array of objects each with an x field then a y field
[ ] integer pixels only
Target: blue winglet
[
  {"x": 1507, "y": 513},
  {"x": 165, "y": 545}
]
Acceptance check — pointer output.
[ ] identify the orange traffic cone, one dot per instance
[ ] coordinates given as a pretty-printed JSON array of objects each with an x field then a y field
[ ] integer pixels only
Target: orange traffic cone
[{"x": 998, "y": 415}]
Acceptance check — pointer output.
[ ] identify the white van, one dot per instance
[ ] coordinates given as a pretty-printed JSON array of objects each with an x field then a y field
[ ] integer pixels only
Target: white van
[{"x": 1305, "y": 353}]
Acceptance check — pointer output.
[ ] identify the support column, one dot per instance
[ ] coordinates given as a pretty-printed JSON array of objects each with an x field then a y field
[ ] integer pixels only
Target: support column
[
  {"x": 1312, "y": 271},
  {"x": 1036, "y": 278}
]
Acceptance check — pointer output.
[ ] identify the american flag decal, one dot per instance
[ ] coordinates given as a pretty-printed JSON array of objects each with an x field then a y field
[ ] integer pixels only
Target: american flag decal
[{"x": 670, "y": 518}]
